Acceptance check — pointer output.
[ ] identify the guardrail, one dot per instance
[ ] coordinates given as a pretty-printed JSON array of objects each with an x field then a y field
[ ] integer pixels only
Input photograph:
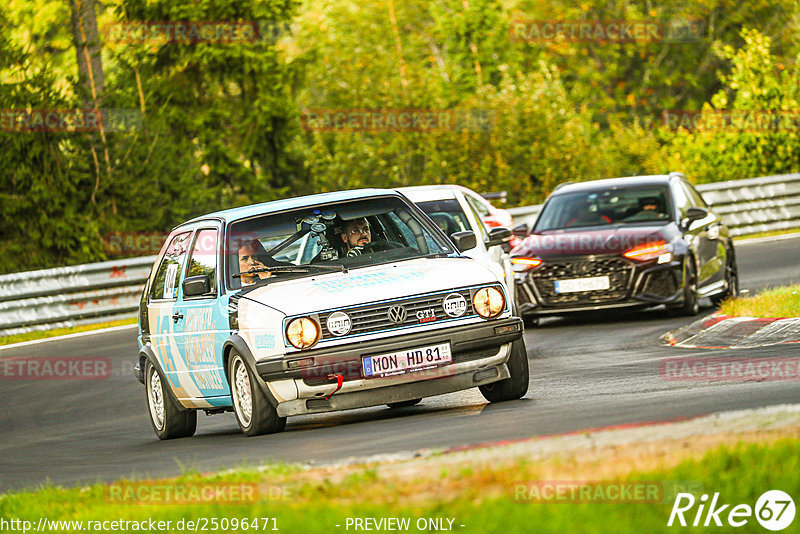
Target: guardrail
[{"x": 69, "y": 296}]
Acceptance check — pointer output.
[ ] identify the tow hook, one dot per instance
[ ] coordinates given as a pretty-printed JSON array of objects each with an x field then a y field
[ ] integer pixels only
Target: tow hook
[{"x": 339, "y": 381}]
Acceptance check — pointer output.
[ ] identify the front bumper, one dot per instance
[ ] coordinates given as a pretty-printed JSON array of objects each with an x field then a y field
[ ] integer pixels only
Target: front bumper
[
  {"x": 646, "y": 284},
  {"x": 479, "y": 352}
]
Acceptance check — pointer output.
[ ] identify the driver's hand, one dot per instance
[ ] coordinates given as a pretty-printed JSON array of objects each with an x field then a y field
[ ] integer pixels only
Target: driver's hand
[
  {"x": 355, "y": 251},
  {"x": 258, "y": 265}
]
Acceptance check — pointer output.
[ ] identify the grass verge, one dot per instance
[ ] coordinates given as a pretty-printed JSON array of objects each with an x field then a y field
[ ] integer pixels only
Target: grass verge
[
  {"x": 491, "y": 497},
  {"x": 29, "y": 336},
  {"x": 775, "y": 302}
]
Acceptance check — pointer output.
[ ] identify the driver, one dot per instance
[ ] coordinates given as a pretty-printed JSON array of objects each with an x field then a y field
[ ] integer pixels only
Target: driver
[
  {"x": 251, "y": 256},
  {"x": 356, "y": 234}
]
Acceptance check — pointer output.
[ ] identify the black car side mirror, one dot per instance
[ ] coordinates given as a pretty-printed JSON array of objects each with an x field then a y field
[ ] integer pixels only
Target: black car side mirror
[
  {"x": 694, "y": 214},
  {"x": 194, "y": 286},
  {"x": 521, "y": 230},
  {"x": 498, "y": 236},
  {"x": 465, "y": 240}
]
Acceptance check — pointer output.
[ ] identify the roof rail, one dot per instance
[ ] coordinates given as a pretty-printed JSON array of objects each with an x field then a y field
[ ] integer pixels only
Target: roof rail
[{"x": 676, "y": 173}]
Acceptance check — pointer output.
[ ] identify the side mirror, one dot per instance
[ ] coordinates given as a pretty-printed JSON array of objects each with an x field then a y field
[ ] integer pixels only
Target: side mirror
[
  {"x": 194, "y": 286},
  {"x": 498, "y": 236},
  {"x": 465, "y": 240},
  {"x": 521, "y": 230},
  {"x": 694, "y": 214}
]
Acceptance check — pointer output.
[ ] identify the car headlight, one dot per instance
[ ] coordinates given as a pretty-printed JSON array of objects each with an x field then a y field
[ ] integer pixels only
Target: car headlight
[
  {"x": 522, "y": 264},
  {"x": 488, "y": 302},
  {"x": 302, "y": 332},
  {"x": 651, "y": 251}
]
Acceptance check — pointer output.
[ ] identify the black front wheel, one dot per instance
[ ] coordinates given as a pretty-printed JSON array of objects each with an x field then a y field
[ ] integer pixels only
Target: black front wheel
[
  {"x": 731, "y": 279},
  {"x": 169, "y": 419},
  {"x": 516, "y": 386}
]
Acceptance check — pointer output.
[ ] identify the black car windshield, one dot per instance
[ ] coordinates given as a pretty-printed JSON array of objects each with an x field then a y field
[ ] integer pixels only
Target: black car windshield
[
  {"x": 328, "y": 237},
  {"x": 620, "y": 205}
]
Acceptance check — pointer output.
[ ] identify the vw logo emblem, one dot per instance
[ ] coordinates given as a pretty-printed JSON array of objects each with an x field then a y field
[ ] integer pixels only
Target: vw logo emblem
[{"x": 397, "y": 314}]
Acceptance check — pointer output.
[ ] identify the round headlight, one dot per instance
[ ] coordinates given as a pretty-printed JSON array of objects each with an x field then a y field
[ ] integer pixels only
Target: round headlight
[
  {"x": 302, "y": 332},
  {"x": 488, "y": 302}
]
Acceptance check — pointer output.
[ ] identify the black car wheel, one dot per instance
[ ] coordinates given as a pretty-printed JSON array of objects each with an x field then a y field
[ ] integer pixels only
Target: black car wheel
[
  {"x": 169, "y": 419},
  {"x": 731, "y": 279},
  {"x": 516, "y": 385},
  {"x": 690, "y": 304},
  {"x": 254, "y": 413}
]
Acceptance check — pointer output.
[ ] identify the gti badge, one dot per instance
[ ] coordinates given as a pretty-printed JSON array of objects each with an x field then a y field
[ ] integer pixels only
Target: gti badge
[{"x": 427, "y": 315}]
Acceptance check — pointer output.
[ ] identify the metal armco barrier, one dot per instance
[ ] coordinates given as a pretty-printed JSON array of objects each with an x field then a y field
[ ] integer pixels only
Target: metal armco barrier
[
  {"x": 68, "y": 296},
  {"x": 747, "y": 206}
]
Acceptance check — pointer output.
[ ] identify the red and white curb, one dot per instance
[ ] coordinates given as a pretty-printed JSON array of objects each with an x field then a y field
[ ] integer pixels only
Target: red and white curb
[{"x": 726, "y": 332}]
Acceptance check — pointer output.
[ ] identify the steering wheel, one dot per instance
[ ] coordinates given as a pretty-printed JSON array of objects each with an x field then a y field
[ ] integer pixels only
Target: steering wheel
[{"x": 380, "y": 246}]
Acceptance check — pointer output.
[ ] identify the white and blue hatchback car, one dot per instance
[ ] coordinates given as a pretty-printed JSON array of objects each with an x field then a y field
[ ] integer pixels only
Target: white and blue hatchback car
[{"x": 320, "y": 303}]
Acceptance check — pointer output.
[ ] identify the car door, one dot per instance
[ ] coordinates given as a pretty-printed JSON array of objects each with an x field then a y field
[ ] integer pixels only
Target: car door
[
  {"x": 161, "y": 311},
  {"x": 200, "y": 322},
  {"x": 710, "y": 251}
]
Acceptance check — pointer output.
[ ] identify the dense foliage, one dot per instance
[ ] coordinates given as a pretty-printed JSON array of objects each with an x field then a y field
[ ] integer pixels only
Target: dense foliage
[{"x": 220, "y": 124}]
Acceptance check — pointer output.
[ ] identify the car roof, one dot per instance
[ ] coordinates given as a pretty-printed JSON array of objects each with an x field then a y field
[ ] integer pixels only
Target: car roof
[
  {"x": 264, "y": 208},
  {"x": 609, "y": 183},
  {"x": 424, "y": 193}
]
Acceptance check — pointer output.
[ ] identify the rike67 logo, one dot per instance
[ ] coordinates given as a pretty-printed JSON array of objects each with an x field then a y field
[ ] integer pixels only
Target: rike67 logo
[{"x": 774, "y": 510}]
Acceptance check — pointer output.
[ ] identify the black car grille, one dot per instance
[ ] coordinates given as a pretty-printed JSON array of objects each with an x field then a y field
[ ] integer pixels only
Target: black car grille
[
  {"x": 375, "y": 317},
  {"x": 617, "y": 269}
]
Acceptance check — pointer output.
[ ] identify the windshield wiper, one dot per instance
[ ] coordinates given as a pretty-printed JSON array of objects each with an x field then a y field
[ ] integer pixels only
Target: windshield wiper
[{"x": 293, "y": 269}]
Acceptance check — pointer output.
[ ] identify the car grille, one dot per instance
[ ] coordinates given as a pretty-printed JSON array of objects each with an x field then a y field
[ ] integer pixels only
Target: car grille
[
  {"x": 375, "y": 317},
  {"x": 617, "y": 269}
]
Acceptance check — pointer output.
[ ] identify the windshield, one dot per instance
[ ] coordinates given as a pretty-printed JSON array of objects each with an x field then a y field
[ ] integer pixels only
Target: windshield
[
  {"x": 328, "y": 237},
  {"x": 626, "y": 205}
]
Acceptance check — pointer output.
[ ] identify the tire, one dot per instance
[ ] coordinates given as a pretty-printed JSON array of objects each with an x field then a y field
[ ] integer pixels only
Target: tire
[
  {"x": 169, "y": 419},
  {"x": 254, "y": 412},
  {"x": 403, "y": 404},
  {"x": 690, "y": 305},
  {"x": 516, "y": 386},
  {"x": 731, "y": 279}
]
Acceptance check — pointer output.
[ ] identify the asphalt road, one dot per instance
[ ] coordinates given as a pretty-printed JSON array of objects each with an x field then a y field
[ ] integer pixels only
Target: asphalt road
[{"x": 586, "y": 372}]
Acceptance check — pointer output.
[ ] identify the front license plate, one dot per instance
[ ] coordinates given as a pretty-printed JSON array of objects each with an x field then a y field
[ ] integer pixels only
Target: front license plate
[
  {"x": 407, "y": 361},
  {"x": 596, "y": 283}
]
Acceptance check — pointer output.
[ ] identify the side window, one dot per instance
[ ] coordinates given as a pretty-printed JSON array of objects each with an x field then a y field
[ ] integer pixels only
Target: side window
[
  {"x": 697, "y": 200},
  {"x": 482, "y": 234},
  {"x": 204, "y": 257},
  {"x": 682, "y": 200},
  {"x": 165, "y": 284},
  {"x": 482, "y": 210}
]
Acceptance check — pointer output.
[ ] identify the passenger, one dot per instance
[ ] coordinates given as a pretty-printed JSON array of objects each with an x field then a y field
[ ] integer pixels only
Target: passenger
[
  {"x": 252, "y": 256},
  {"x": 356, "y": 234}
]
